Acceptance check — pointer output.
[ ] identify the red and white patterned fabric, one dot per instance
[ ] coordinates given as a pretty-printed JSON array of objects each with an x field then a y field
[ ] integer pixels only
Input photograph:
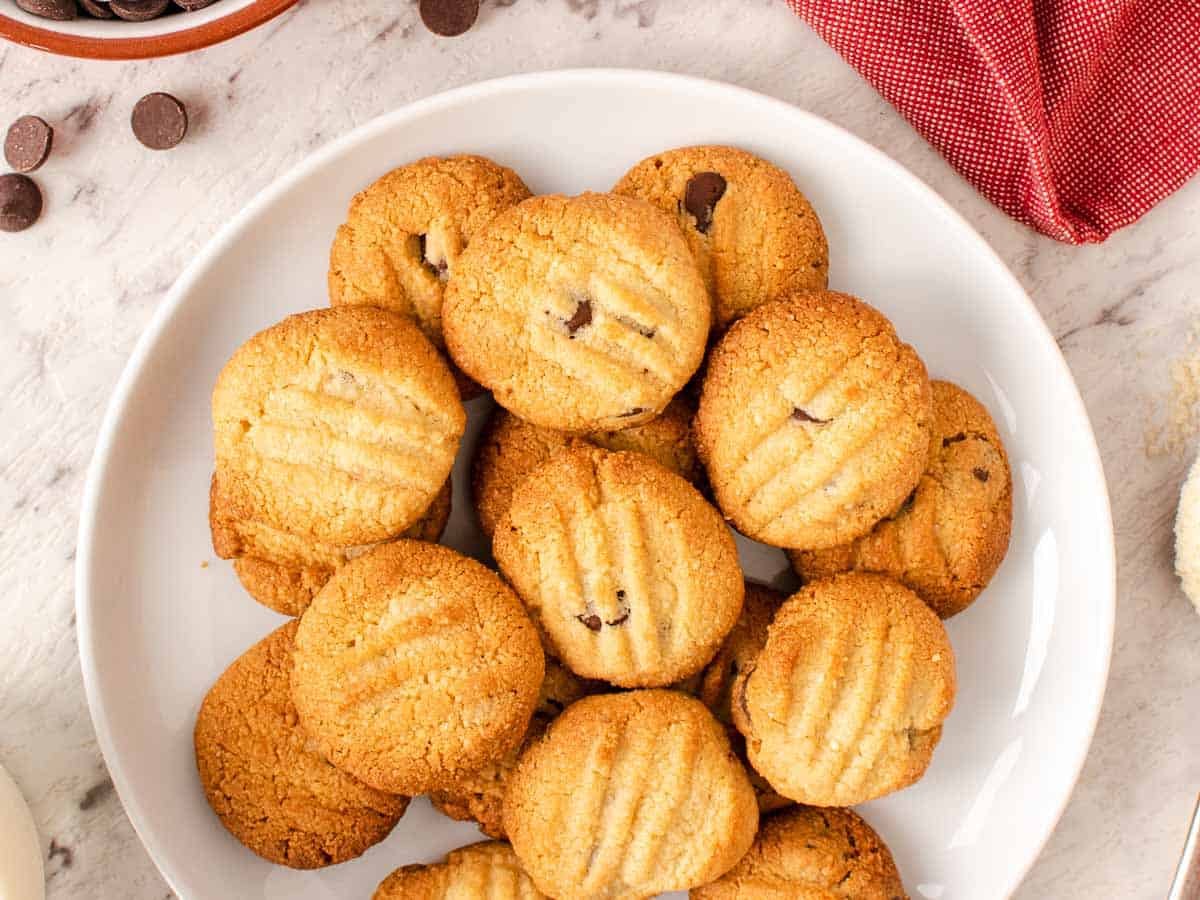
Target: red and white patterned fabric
[{"x": 1073, "y": 116}]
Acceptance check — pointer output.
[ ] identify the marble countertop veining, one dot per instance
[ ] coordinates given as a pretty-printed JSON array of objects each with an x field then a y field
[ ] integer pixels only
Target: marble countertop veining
[{"x": 121, "y": 223}]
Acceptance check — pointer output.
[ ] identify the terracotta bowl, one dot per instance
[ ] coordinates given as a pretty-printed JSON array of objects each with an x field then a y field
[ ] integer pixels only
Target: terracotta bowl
[{"x": 177, "y": 32}]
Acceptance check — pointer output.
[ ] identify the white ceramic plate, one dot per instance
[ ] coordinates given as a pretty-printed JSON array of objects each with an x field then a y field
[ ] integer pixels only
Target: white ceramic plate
[{"x": 156, "y": 627}]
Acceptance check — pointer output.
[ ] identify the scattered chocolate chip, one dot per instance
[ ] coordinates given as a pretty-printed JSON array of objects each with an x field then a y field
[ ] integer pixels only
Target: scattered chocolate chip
[
  {"x": 581, "y": 318},
  {"x": 981, "y": 474},
  {"x": 96, "y": 10},
  {"x": 20, "y": 202},
  {"x": 159, "y": 120},
  {"x": 449, "y": 18},
  {"x": 801, "y": 415},
  {"x": 59, "y": 10},
  {"x": 28, "y": 143},
  {"x": 139, "y": 10},
  {"x": 193, "y": 5},
  {"x": 636, "y": 411},
  {"x": 440, "y": 268},
  {"x": 953, "y": 439},
  {"x": 591, "y": 620},
  {"x": 620, "y": 620},
  {"x": 704, "y": 189}
]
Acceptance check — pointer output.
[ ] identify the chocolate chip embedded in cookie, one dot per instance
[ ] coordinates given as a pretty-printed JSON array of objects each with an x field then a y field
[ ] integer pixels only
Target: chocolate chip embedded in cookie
[
  {"x": 632, "y": 577},
  {"x": 273, "y": 792},
  {"x": 511, "y": 448},
  {"x": 811, "y": 853},
  {"x": 814, "y": 421},
  {"x": 340, "y": 425},
  {"x": 754, "y": 235},
  {"x": 580, "y": 314},
  {"x": 629, "y": 795},
  {"x": 415, "y": 666},
  {"x": 488, "y": 870},
  {"x": 845, "y": 702},
  {"x": 949, "y": 537}
]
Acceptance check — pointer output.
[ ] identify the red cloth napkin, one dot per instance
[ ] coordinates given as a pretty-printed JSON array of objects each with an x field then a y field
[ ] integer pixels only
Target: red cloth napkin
[{"x": 1073, "y": 116}]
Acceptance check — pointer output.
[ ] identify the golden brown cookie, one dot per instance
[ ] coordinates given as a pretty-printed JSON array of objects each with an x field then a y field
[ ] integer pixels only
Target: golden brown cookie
[
  {"x": 479, "y": 796},
  {"x": 337, "y": 424},
  {"x": 580, "y": 314},
  {"x": 807, "y": 853},
  {"x": 510, "y": 448},
  {"x": 632, "y": 577},
  {"x": 415, "y": 666},
  {"x": 846, "y": 700},
  {"x": 284, "y": 571},
  {"x": 485, "y": 871},
  {"x": 273, "y": 792},
  {"x": 814, "y": 421},
  {"x": 405, "y": 233},
  {"x": 629, "y": 795},
  {"x": 950, "y": 536},
  {"x": 753, "y": 234}
]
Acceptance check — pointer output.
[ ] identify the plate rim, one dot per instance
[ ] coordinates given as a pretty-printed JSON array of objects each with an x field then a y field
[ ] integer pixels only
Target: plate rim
[{"x": 216, "y": 245}]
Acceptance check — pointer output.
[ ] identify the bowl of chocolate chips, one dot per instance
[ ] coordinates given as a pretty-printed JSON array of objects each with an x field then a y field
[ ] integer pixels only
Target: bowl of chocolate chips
[{"x": 130, "y": 29}]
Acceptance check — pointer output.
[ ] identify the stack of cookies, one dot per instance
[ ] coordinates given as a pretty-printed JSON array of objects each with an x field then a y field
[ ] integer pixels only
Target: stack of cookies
[{"x": 619, "y": 710}]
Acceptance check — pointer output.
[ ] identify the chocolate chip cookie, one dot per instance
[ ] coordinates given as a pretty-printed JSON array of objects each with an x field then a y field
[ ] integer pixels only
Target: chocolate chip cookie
[
  {"x": 845, "y": 702},
  {"x": 415, "y": 666},
  {"x": 632, "y": 577},
  {"x": 814, "y": 421},
  {"x": 629, "y": 795},
  {"x": 949, "y": 537},
  {"x": 269, "y": 787},
  {"x": 755, "y": 237},
  {"x": 580, "y": 314}
]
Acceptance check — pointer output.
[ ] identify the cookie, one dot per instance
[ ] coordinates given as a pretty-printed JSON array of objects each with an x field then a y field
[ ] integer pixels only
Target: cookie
[
  {"x": 272, "y": 791},
  {"x": 629, "y": 795},
  {"x": 284, "y": 571},
  {"x": 510, "y": 448},
  {"x": 846, "y": 700},
  {"x": 479, "y": 797},
  {"x": 404, "y": 234},
  {"x": 631, "y": 576},
  {"x": 949, "y": 537},
  {"x": 753, "y": 234},
  {"x": 814, "y": 421},
  {"x": 485, "y": 871},
  {"x": 580, "y": 313},
  {"x": 811, "y": 854},
  {"x": 414, "y": 667},
  {"x": 340, "y": 425}
]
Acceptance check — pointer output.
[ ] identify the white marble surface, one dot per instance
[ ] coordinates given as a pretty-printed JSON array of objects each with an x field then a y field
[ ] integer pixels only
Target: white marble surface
[{"x": 121, "y": 223}]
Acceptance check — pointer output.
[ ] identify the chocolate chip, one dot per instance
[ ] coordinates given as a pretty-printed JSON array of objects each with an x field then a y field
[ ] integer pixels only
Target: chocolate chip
[
  {"x": 139, "y": 10},
  {"x": 159, "y": 120},
  {"x": 704, "y": 190},
  {"x": 20, "y": 202},
  {"x": 620, "y": 620},
  {"x": 981, "y": 474},
  {"x": 591, "y": 620},
  {"x": 440, "y": 268},
  {"x": 28, "y": 143},
  {"x": 581, "y": 317},
  {"x": 953, "y": 439},
  {"x": 60, "y": 10},
  {"x": 449, "y": 18},
  {"x": 801, "y": 415},
  {"x": 96, "y": 10}
]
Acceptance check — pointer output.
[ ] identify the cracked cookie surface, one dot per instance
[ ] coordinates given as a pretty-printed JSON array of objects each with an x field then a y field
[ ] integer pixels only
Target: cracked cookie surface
[
  {"x": 415, "y": 666},
  {"x": 484, "y": 871},
  {"x": 337, "y": 424},
  {"x": 811, "y": 854},
  {"x": 510, "y": 449},
  {"x": 579, "y": 313},
  {"x": 845, "y": 702},
  {"x": 265, "y": 781},
  {"x": 627, "y": 796},
  {"x": 632, "y": 577},
  {"x": 753, "y": 234},
  {"x": 814, "y": 421},
  {"x": 949, "y": 537}
]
